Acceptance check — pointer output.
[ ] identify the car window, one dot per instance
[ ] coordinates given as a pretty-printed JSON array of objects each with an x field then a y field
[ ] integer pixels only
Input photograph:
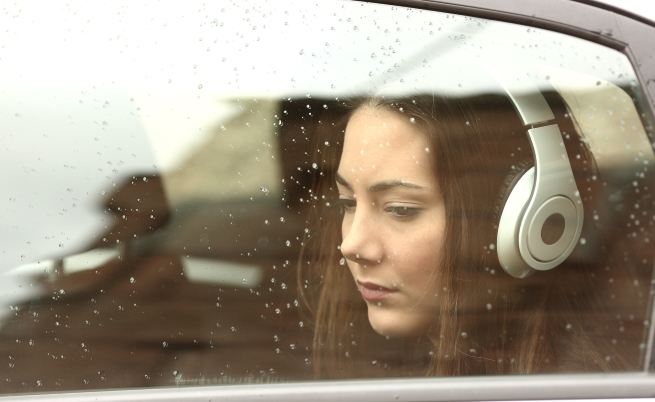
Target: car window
[{"x": 251, "y": 192}]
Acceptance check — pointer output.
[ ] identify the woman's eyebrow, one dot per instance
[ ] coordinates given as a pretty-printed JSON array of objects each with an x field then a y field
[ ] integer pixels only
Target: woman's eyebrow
[
  {"x": 340, "y": 180},
  {"x": 381, "y": 186},
  {"x": 386, "y": 185}
]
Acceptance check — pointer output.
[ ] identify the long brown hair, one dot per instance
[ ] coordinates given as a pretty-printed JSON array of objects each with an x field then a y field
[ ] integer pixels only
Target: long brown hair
[{"x": 489, "y": 322}]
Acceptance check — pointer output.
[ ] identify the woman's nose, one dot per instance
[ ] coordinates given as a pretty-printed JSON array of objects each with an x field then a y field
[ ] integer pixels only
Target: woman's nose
[{"x": 361, "y": 239}]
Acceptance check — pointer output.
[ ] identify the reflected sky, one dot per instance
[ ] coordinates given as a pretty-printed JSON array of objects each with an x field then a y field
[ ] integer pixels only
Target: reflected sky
[{"x": 106, "y": 91}]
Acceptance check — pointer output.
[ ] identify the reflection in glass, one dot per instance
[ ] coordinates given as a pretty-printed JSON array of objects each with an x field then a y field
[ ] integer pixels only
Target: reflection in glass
[{"x": 172, "y": 212}]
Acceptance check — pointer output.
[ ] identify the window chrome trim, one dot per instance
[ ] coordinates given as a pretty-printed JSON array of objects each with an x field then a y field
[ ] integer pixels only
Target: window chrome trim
[
  {"x": 493, "y": 388},
  {"x": 617, "y": 10}
]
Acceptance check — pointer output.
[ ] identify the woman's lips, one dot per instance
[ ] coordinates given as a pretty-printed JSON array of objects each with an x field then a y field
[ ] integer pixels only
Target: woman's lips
[{"x": 373, "y": 292}]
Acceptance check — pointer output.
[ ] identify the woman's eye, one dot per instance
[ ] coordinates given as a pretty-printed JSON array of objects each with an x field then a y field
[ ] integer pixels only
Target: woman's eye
[
  {"x": 346, "y": 204},
  {"x": 402, "y": 212}
]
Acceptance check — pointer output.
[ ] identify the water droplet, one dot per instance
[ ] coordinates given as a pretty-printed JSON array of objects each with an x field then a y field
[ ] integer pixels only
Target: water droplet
[
  {"x": 132, "y": 280},
  {"x": 583, "y": 241},
  {"x": 488, "y": 306},
  {"x": 464, "y": 335},
  {"x": 281, "y": 218},
  {"x": 302, "y": 51},
  {"x": 288, "y": 243},
  {"x": 164, "y": 344},
  {"x": 277, "y": 311},
  {"x": 200, "y": 86},
  {"x": 342, "y": 261},
  {"x": 373, "y": 56},
  {"x": 412, "y": 120},
  {"x": 315, "y": 166}
]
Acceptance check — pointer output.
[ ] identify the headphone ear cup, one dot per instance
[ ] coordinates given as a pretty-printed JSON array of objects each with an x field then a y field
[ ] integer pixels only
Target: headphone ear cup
[
  {"x": 514, "y": 198},
  {"x": 511, "y": 179}
]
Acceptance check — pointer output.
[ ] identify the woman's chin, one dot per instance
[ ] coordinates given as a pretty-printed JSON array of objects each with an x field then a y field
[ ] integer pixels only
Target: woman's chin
[{"x": 397, "y": 324}]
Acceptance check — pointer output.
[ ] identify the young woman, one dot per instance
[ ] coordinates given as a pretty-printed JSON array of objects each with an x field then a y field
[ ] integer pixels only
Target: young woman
[{"x": 402, "y": 241}]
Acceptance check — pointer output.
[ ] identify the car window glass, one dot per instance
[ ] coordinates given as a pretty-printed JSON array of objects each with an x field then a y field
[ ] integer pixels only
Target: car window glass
[{"x": 249, "y": 192}]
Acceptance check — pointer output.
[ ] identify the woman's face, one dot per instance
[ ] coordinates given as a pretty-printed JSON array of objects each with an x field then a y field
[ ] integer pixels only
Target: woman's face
[{"x": 394, "y": 220}]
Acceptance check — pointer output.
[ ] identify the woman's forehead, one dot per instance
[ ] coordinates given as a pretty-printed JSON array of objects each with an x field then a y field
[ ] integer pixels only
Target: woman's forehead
[
  {"x": 382, "y": 145},
  {"x": 380, "y": 127}
]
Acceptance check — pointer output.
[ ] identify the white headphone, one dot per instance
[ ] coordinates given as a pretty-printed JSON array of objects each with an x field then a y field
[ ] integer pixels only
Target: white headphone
[{"x": 546, "y": 192}]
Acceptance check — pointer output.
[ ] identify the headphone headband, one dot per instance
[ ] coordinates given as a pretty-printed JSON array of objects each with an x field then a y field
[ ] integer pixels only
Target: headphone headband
[{"x": 547, "y": 191}]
